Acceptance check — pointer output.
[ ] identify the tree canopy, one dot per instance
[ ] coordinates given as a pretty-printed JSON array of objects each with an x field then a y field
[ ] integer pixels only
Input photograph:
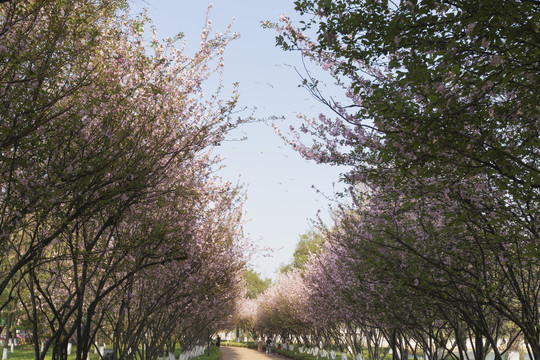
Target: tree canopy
[
  {"x": 440, "y": 126},
  {"x": 113, "y": 225},
  {"x": 255, "y": 285},
  {"x": 309, "y": 244}
]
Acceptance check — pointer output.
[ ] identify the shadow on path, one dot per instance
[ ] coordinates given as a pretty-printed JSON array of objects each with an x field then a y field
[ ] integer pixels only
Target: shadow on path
[{"x": 238, "y": 353}]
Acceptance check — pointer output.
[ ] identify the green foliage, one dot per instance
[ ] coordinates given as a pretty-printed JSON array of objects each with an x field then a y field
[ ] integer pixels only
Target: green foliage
[
  {"x": 452, "y": 86},
  {"x": 254, "y": 284},
  {"x": 249, "y": 344},
  {"x": 309, "y": 244}
]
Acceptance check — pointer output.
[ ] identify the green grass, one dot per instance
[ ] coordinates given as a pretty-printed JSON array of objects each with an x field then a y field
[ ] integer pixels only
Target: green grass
[
  {"x": 214, "y": 354},
  {"x": 26, "y": 352},
  {"x": 298, "y": 356},
  {"x": 295, "y": 355}
]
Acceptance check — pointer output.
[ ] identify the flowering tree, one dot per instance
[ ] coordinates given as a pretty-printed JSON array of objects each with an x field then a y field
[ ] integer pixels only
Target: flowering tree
[
  {"x": 441, "y": 131},
  {"x": 428, "y": 298},
  {"x": 246, "y": 314},
  {"x": 282, "y": 311},
  {"x": 47, "y": 50},
  {"x": 66, "y": 170},
  {"x": 99, "y": 137},
  {"x": 181, "y": 300}
]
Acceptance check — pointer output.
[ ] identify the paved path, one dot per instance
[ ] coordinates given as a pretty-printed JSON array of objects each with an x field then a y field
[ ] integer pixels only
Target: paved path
[{"x": 238, "y": 353}]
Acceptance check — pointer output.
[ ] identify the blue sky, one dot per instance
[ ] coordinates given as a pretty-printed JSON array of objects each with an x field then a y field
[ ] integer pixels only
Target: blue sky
[{"x": 281, "y": 198}]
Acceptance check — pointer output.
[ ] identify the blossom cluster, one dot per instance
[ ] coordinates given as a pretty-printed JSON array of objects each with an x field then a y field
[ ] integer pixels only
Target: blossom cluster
[
  {"x": 113, "y": 226},
  {"x": 437, "y": 251}
]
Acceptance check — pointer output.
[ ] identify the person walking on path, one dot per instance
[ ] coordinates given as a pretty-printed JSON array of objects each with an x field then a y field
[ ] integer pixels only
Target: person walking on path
[
  {"x": 218, "y": 341},
  {"x": 268, "y": 345}
]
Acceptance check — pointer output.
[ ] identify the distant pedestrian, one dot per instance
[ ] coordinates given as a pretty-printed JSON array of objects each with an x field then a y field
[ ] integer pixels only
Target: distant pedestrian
[
  {"x": 218, "y": 341},
  {"x": 268, "y": 346}
]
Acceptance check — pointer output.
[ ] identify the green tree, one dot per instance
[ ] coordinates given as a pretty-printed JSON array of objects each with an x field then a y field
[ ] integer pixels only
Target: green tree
[
  {"x": 255, "y": 285},
  {"x": 308, "y": 244}
]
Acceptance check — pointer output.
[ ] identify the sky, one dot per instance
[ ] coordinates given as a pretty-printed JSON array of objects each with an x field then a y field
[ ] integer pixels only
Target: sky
[{"x": 284, "y": 191}]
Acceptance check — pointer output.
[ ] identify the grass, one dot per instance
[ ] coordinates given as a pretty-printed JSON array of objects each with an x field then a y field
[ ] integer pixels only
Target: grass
[
  {"x": 214, "y": 354},
  {"x": 295, "y": 355},
  {"x": 298, "y": 356},
  {"x": 26, "y": 352}
]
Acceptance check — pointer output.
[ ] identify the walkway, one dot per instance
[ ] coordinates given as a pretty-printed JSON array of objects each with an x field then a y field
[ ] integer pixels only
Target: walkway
[{"x": 238, "y": 353}]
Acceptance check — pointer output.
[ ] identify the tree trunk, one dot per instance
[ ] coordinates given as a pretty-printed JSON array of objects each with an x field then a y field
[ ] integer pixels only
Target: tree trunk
[{"x": 8, "y": 335}]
